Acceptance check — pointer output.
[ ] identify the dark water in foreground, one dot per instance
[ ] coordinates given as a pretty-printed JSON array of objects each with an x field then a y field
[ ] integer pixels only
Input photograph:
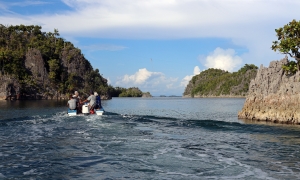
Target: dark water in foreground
[{"x": 138, "y": 138}]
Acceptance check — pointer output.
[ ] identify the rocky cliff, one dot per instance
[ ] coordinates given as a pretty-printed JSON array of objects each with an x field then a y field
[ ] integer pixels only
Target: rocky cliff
[
  {"x": 273, "y": 95},
  {"x": 39, "y": 86},
  {"x": 42, "y": 65}
]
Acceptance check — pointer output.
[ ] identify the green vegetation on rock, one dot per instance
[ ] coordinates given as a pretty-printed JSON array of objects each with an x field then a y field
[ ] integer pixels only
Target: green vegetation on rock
[
  {"x": 127, "y": 92},
  {"x": 34, "y": 62},
  {"x": 131, "y": 92},
  {"x": 289, "y": 43},
  {"x": 217, "y": 82}
]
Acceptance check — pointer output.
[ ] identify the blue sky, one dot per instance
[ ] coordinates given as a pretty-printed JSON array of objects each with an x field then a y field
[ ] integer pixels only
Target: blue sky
[{"x": 158, "y": 45}]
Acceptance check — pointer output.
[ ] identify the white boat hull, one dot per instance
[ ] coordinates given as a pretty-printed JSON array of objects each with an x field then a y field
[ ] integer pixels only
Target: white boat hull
[
  {"x": 85, "y": 111},
  {"x": 99, "y": 112}
]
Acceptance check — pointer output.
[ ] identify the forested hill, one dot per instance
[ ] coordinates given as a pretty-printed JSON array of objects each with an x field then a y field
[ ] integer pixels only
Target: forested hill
[
  {"x": 220, "y": 83},
  {"x": 40, "y": 65}
]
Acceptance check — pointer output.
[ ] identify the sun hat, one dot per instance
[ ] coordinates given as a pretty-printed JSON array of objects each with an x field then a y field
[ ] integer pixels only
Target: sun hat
[{"x": 95, "y": 93}]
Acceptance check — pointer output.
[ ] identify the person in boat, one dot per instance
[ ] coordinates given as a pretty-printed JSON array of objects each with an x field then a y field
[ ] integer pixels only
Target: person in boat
[
  {"x": 79, "y": 106},
  {"x": 98, "y": 101},
  {"x": 72, "y": 103},
  {"x": 77, "y": 95},
  {"x": 91, "y": 99}
]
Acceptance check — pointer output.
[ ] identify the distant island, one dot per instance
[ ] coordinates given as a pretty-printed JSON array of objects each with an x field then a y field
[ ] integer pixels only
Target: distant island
[
  {"x": 169, "y": 96},
  {"x": 42, "y": 65},
  {"x": 219, "y": 83}
]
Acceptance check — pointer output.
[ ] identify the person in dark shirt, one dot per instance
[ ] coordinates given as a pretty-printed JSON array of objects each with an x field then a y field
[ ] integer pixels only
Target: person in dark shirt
[{"x": 98, "y": 101}]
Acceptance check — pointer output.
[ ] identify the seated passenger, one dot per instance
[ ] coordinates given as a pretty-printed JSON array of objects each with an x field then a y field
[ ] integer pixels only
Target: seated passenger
[
  {"x": 91, "y": 99},
  {"x": 98, "y": 101},
  {"x": 79, "y": 106},
  {"x": 72, "y": 103}
]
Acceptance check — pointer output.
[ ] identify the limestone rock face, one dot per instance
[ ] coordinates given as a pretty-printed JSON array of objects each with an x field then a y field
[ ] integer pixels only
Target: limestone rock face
[
  {"x": 72, "y": 62},
  {"x": 273, "y": 95},
  {"x": 75, "y": 63},
  {"x": 9, "y": 88},
  {"x": 34, "y": 63}
]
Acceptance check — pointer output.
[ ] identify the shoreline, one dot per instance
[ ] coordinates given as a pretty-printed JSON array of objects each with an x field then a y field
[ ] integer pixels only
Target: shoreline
[{"x": 214, "y": 97}]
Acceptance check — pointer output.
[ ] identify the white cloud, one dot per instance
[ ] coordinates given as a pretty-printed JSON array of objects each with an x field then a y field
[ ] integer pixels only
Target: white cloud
[
  {"x": 153, "y": 82},
  {"x": 248, "y": 23},
  {"x": 196, "y": 70},
  {"x": 223, "y": 59},
  {"x": 140, "y": 77},
  {"x": 144, "y": 18},
  {"x": 186, "y": 79}
]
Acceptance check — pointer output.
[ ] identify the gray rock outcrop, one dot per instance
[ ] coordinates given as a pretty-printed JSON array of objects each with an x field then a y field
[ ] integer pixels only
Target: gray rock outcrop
[
  {"x": 35, "y": 64},
  {"x": 273, "y": 95},
  {"x": 38, "y": 87},
  {"x": 9, "y": 88}
]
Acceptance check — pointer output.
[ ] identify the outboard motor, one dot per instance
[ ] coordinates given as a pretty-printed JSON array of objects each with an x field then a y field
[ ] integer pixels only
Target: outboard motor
[{"x": 85, "y": 109}]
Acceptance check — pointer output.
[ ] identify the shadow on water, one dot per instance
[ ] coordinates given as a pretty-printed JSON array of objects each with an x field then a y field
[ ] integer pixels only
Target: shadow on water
[
  {"x": 244, "y": 127},
  {"x": 32, "y": 104},
  {"x": 21, "y": 109}
]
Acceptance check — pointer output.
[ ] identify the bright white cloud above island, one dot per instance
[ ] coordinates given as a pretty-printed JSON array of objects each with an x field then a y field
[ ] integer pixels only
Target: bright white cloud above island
[
  {"x": 223, "y": 59},
  {"x": 147, "y": 80},
  {"x": 119, "y": 37},
  {"x": 141, "y": 77}
]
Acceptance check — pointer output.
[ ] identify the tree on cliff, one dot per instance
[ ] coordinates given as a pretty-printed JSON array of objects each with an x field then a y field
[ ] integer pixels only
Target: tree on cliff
[{"x": 289, "y": 43}]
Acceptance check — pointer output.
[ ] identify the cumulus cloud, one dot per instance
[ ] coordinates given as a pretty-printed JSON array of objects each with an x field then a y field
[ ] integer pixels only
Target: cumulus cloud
[
  {"x": 223, "y": 59},
  {"x": 140, "y": 77},
  {"x": 247, "y": 23},
  {"x": 186, "y": 79},
  {"x": 144, "y": 18},
  {"x": 147, "y": 81}
]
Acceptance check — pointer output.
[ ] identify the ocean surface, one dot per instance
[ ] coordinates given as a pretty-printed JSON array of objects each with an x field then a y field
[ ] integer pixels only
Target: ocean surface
[{"x": 144, "y": 138}]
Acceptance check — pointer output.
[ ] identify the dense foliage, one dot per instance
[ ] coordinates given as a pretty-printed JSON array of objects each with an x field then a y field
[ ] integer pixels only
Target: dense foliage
[
  {"x": 289, "y": 43},
  {"x": 127, "y": 92},
  {"x": 66, "y": 68},
  {"x": 16, "y": 41},
  {"x": 131, "y": 92},
  {"x": 217, "y": 82},
  {"x": 290, "y": 67}
]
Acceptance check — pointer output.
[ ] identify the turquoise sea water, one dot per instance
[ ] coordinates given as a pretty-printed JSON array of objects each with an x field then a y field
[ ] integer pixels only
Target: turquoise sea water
[{"x": 144, "y": 138}]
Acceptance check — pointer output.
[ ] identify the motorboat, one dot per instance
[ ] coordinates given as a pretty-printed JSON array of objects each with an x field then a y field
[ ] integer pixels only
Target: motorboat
[{"x": 86, "y": 111}]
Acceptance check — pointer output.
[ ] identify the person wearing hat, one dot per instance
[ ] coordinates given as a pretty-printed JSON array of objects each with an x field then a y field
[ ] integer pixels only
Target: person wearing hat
[
  {"x": 91, "y": 99},
  {"x": 72, "y": 103}
]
